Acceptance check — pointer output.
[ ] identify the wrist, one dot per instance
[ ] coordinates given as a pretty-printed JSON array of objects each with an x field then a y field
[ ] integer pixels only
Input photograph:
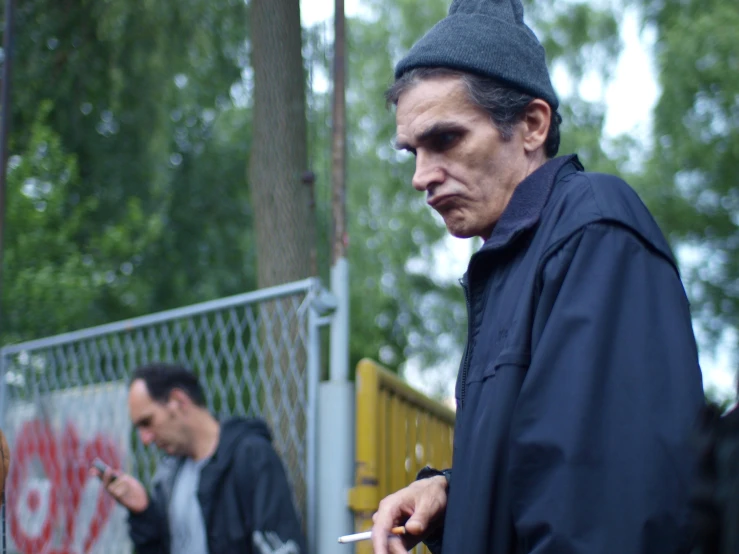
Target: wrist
[
  {"x": 429, "y": 472},
  {"x": 434, "y": 538}
]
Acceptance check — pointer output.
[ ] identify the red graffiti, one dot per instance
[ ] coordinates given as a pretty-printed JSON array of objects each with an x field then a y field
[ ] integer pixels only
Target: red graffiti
[{"x": 38, "y": 506}]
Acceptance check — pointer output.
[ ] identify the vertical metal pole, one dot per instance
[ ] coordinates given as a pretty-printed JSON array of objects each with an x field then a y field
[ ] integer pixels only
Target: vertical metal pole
[
  {"x": 5, "y": 127},
  {"x": 314, "y": 365},
  {"x": 340, "y": 267},
  {"x": 338, "y": 137},
  {"x": 335, "y": 466}
]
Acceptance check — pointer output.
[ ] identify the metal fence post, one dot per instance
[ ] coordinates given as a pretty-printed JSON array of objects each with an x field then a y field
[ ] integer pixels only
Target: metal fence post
[
  {"x": 336, "y": 428},
  {"x": 321, "y": 308},
  {"x": 335, "y": 465}
]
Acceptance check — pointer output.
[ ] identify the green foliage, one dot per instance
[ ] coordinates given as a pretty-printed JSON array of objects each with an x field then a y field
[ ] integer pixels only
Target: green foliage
[
  {"x": 582, "y": 37},
  {"x": 143, "y": 98},
  {"x": 691, "y": 180},
  {"x": 52, "y": 280}
]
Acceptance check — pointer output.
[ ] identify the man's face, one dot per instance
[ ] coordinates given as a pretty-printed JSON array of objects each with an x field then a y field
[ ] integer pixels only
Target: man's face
[
  {"x": 467, "y": 170},
  {"x": 159, "y": 423}
]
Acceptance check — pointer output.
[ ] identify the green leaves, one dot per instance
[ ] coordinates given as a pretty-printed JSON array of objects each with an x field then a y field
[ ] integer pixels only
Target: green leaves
[
  {"x": 692, "y": 176},
  {"x": 51, "y": 279},
  {"x": 131, "y": 104}
]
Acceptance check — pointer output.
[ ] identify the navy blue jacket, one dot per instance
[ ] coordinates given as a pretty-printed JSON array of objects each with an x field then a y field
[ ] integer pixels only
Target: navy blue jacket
[{"x": 580, "y": 386}]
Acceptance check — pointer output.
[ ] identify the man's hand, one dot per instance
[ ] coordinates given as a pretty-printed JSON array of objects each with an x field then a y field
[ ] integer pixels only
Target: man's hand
[
  {"x": 418, "y": 506},
  {"x": 126, "y": 490}
]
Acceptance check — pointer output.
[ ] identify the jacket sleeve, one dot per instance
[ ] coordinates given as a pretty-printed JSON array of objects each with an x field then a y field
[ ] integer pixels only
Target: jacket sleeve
[
  {"x": 146, "y": 529},
  {"x": 267, "y": 495},
  {"x": 600, "y": 439}
]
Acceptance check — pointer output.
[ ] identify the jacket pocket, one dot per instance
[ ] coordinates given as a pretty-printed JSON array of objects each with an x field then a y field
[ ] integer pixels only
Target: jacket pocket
[
  {"x": 512, "y": 356},
  {"x": 487, "y": 372},
  {"x": 507, "y": 357}
]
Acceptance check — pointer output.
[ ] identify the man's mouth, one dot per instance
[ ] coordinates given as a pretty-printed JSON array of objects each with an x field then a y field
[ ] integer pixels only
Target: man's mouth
[{"x": 440, "y": 202}]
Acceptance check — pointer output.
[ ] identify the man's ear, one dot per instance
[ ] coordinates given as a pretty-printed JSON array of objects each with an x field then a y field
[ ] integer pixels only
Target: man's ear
[
  {"x": 536, "y": 123},
  {"x": 179, "y": 399}
]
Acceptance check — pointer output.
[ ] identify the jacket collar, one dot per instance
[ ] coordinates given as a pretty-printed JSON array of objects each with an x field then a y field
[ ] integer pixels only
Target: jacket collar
[{"x": 528, "y": 200}]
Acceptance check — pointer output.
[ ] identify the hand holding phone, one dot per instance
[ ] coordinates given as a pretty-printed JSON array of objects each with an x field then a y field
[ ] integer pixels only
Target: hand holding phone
[
  {"x": 101, "y": 466},
  {"x": 125, "y": 489}
]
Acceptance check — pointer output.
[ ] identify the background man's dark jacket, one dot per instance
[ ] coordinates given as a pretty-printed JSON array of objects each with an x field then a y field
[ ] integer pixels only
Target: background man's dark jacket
[
  {"x": 243, "y": 489},
  {"x": 580, "y": 386}
]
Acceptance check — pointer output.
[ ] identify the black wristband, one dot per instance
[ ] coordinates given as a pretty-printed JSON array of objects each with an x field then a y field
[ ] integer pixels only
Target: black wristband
[
  {"x": 447, "y": 473},
  {"x": 429, "y": 471}
]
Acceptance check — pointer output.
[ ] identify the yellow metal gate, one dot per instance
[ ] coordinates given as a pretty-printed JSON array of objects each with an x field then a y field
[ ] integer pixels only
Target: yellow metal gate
[{"x": 398, "y": 431}]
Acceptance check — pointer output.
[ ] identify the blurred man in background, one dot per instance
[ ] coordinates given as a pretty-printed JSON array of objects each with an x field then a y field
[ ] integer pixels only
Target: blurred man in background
[
  {"x": 222, "y": 489},
  {"x": 580, "y": 388}
]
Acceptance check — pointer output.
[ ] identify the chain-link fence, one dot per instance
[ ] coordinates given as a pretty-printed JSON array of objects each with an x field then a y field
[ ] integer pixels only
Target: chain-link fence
[{"x": 64, "y": 404}]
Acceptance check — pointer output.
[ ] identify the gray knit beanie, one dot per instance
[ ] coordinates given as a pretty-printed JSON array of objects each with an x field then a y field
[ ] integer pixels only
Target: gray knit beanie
[{"x": 489, "y": 38}]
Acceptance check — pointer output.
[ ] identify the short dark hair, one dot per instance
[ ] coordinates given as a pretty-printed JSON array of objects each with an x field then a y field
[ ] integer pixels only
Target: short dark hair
[
  {"x": 506, "y": 105},
  {"x": 162, "y": 379}
]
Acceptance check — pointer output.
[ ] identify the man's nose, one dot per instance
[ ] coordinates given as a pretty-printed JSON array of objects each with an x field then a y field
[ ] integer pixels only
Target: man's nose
[{"x": 428, "y": 172}]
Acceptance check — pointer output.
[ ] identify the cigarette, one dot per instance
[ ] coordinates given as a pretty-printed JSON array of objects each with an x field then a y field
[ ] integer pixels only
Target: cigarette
[{"x": 368, "y": 535}]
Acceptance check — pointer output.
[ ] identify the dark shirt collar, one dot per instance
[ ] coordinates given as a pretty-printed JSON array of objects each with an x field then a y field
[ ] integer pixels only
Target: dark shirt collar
[{"x": 528, "y": 200}]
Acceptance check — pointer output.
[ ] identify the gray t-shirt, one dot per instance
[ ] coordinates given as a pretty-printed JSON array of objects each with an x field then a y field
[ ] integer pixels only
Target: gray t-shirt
[{"x": 186, "y": 523}]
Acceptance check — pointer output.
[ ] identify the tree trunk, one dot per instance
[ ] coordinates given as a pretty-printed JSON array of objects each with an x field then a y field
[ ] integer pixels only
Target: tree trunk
[{"x": 281, "y": 198}]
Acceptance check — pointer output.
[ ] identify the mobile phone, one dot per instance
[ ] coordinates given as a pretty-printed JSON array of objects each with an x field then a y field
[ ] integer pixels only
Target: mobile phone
[{"x": 101, "y": 466}]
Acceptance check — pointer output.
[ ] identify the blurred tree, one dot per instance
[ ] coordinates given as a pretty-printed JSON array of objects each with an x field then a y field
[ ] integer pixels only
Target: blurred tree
[
  {"x": 143, "y": 97},
  {"x": 282, "y": 192},
  {"x": 690, "y": 180},
  {"x": 53, "y": 281}
]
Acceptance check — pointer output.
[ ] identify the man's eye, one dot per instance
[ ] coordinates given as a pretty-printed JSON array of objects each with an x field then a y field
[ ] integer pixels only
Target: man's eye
[{"x": 442, "y": 141}]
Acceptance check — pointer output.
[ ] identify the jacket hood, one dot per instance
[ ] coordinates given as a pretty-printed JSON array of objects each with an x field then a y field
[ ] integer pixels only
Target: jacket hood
[{"x": 234, "y": 429}]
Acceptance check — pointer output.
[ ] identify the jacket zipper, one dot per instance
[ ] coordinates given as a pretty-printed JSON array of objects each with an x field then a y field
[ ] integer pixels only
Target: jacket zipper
[{"x": 466, "y": 363}]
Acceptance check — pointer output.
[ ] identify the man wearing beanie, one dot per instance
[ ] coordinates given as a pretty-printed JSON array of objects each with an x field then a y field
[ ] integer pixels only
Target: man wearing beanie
[{"x": 580, "y": 387}]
